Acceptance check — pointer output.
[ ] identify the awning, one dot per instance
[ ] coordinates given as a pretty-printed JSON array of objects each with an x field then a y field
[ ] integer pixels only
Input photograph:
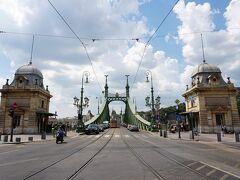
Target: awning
[{"x": 46, "y": 114}]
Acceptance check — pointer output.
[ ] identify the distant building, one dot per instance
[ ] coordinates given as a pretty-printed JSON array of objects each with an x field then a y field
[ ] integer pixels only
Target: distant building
[
  {"x": 210, "y": 101},
  {"x": 30, "y": 98}
]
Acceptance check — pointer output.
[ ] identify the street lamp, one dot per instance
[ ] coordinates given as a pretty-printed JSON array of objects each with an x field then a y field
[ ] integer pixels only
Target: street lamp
[
  {"x": 80, "y": 125},
  {"x": 147, "y": 99}
]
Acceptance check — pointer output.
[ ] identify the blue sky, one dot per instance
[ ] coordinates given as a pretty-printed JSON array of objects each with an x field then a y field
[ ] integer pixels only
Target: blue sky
[{"x": 171, "y": 55}]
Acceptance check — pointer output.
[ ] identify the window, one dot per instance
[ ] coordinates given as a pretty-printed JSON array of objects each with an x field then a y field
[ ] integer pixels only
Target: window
[{"x": 42, "y": 104}]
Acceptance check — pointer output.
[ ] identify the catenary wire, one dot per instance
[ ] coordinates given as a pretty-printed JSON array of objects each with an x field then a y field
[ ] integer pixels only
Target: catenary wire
[
  {"x": 145, "y": 47},
  {"x": 84, "y": 46}
]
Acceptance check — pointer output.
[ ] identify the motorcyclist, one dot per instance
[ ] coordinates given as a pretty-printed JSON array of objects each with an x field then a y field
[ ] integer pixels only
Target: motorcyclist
[{"x": 60, "y": 135}]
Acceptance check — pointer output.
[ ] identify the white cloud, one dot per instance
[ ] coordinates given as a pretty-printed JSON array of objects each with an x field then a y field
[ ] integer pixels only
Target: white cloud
[{"x": 221, "y": 47}]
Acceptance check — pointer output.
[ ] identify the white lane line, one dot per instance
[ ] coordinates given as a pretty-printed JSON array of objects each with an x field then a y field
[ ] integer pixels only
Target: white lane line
[
  {"x": 126, "y": 136},
  {"x": 19, "y": 162},
  {"x": 117, "y": 136},
  {"x": 211, "y": 172},
  {"x": 192, "y": 163},
  {"x": 220, "y": 169},
  {"x": 97, "y": 136},
  {"x": 74, "y": 136},
  {"x": 107, "y": 136},
  {"x": 199, "y": 168},
  {"x": 9, "y": 151},
  {"x": 224, "y": 177}
]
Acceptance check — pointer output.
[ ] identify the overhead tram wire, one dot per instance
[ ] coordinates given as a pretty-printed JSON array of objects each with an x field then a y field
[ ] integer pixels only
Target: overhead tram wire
[
  {"x": 145, "y": 47},
  {"x": 85, "y": 48},
  {"x": 73, "y": 37}
]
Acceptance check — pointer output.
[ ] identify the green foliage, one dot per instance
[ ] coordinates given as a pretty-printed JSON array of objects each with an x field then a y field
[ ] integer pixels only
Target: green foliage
[{"x": 172, "y": 109}]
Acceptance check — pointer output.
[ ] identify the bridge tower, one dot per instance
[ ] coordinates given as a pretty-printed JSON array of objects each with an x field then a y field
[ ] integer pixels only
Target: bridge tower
[{"x": 127, "y": 88}]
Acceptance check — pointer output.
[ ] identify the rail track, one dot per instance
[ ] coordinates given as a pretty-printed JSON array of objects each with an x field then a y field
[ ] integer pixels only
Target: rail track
[
  {"x": 142, "y": 161},
  {"x": 75, "y": 174},
  {"x": 69, "y": 155},
  {"x": 167, "y": 156}
]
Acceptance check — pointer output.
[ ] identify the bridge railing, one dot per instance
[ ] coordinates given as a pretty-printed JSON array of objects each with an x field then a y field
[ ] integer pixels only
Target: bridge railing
[
  {"x": 143, "y": 124},
  {"x": 96, "y": 118}
]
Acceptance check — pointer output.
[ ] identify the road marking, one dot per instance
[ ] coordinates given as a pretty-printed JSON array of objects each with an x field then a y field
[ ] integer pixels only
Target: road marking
[
  {"x": 144, "y": 136},
  {"x": 107, "y": 135},
  {"x": 192, "y": 163},
  {"x": 220, "y": 169},
  {"x": 18, "y": 162},
  {"x": 211, "y": 172},
  {"x": 74, "y": 136},
  {"x": 224, "y": 177},
  {"x": 9, "y": 151},
  {"x": 199, "y": 168},
  {"x": 237, "y": 165},
  {"x": 117, "y": 136},
  {"x": 97, "y": 136}
]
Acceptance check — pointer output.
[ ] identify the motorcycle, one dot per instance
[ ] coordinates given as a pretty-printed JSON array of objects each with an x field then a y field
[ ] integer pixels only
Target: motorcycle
[{"x": 59, "y": 136}]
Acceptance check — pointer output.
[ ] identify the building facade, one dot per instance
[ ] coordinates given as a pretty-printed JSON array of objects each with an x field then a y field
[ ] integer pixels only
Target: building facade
[
  {"x": 210, "y": 101},
  {"x": 28, "y": 98}
]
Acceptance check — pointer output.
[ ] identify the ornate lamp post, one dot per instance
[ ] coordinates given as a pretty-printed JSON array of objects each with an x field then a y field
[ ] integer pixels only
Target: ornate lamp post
[
  {"x": 80, "y": 125},
  {"x": 147, "y": 99}
]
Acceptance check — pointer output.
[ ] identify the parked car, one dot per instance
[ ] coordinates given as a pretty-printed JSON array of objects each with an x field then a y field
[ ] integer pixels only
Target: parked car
[
  {"x": 92, "y": 129},
  {"x": 133, "y": 128},
  {"x": 101, "y": 127}
]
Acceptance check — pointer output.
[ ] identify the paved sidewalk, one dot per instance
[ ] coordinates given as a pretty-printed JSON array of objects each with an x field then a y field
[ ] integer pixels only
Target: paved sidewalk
[
  {"x": 200, "y": 137},
  {"x": 36, "y": 137}
]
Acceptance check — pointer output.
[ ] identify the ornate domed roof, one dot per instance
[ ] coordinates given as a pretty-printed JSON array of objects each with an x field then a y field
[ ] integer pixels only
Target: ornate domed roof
[
  {"x": 28, "y": 69},
  {"x": 206, "y": 68}
]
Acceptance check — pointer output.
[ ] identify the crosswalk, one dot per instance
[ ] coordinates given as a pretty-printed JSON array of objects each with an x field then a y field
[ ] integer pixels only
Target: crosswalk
[{"x": 107, "y": 136}]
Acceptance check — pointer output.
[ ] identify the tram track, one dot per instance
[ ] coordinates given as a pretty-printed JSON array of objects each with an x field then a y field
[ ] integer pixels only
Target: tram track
[
  {"x": 142, "y": 161},
  {"x": 168, "y": 157},
  {"x": 76, "y": 173},
  {"x": 64, "y": 158}
]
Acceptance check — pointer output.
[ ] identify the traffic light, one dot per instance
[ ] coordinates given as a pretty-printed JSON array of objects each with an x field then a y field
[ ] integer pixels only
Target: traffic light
[{"x": 11, "y": 112}]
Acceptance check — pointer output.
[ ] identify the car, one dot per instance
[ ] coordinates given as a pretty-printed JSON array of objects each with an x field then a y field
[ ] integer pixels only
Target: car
[
  {"x": 92, "y": 129},
  {"x": 101, "y": 127},
  {"x": 133, "y": 128}
]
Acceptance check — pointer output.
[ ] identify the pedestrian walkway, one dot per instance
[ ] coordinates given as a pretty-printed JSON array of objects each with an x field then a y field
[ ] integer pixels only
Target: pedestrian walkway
[
  {"x": 202, "y": 137},
  {"x": 26, "y": 138}
]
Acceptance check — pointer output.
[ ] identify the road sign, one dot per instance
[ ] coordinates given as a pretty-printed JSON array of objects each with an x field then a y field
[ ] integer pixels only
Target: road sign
[{"x": 178, "y": 117}]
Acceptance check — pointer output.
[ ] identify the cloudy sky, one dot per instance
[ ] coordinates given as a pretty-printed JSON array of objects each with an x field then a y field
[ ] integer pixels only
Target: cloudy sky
[{"x": 109, "y": 30}]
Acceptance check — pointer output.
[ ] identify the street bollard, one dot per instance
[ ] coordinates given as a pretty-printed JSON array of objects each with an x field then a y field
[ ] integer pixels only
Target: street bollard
[
  {"x": 164, "y": 134},
  {"x": 160, "y": 131},
  {"x": 18, "y": 139},
  {"x": 30, "y": 138},
  {"x": 43, "y": 136},
  {"x": 191, "y": 136},
  {"x": 219, "y": 137},
  {"x": 237, "y": 136},
  {"x": 5, "y": 138}
]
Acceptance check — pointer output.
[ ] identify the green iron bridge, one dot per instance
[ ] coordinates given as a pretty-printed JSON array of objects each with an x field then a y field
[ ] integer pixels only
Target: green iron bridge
[{"x": 130, "y": 116}]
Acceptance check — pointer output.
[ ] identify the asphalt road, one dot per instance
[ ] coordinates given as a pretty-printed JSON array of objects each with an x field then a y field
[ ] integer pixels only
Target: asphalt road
[{"x": 118, "y": 154}]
